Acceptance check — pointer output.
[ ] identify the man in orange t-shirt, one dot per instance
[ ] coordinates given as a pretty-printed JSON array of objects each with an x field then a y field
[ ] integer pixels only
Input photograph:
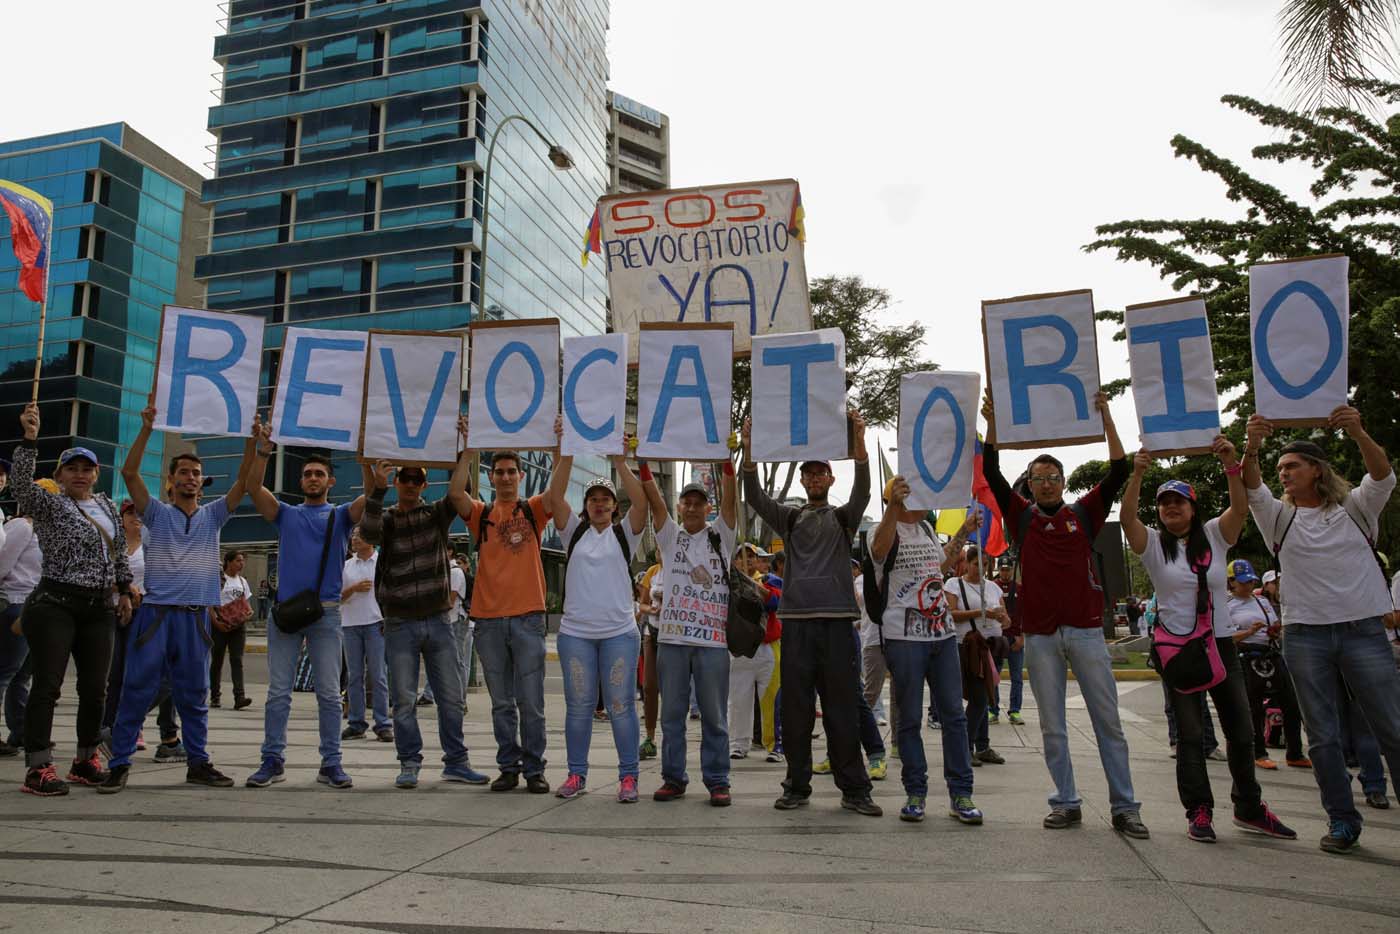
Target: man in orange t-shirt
[{"x": 508, "y": 606}]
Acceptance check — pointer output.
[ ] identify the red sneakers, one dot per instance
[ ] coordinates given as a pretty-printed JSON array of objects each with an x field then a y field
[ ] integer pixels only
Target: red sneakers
[
  {"x": 44, "y": 782},
  {"x": 669, "y": 791},
  {"x": 87, "y": 771}
]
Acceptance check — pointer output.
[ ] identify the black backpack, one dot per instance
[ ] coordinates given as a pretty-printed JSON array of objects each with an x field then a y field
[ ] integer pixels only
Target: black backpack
[
  {"x": 577, "y": 537},
  {"x": 877, "y": 593}
]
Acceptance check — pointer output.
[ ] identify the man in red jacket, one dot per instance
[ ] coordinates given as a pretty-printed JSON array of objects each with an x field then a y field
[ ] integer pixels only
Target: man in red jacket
[{"x": 1061, "y": 613}]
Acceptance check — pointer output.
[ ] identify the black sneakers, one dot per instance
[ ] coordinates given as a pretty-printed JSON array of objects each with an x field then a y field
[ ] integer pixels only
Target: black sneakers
[
  {"x": 536, "y": 785},
  {"x": 204, "y": 773},
  {"x": 790, "y": 801},
  {"x": 862, "y": 804},
  {"x": 44, "y": 782},
  {"x": 87, "y": 771},
  {"x": 1129, "y": 824},
  {"x": 1061, "y": 818},
  {"x": 506, "y": 781},
  {"x": 116, "y": 780}
]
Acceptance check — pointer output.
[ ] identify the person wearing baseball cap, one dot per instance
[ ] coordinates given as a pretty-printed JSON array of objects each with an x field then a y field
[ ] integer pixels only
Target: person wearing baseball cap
[
  {"x": 1334, "y": 598},
  {"x": 1185, "y": 557},
  {"x": 1256, "y": 632},
  {"x": 598, "y": 641}
]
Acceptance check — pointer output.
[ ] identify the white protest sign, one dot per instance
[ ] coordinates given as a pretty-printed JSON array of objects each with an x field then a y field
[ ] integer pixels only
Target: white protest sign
[
  {"x": 685, "y": 378},
  {"x": 514, "y": 384},
  {"x": 595, "y": 394},
  {"x": 413, "y": 391},
  {"x": 938, "y": 437},
  {"x": 1043, "y": 368},
  {"x": 320, "y": 388},
  {"x": 801, "y": 380},
  {"x": 207, "y": 371},
  {"x": 1298, "y": 326},
  {"x": 1173, "y": 375},
  {"x": 719, "y": 253}
]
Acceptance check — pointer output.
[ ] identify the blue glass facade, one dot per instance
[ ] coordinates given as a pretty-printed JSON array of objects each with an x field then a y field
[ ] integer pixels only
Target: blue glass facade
[
  {"x": 351, "y": 148},
  {"x": 126, "y": 218}
]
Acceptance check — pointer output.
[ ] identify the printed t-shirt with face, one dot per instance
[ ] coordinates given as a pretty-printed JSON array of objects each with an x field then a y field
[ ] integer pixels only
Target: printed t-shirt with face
[
  {"x": 509, "y": 576},
  {"x": 695, "y": 601},
  {"x": 990, "y": 593},
  {"x": 916, "y": 609},
  {"x": 598, "y": 583},
  {"x": 1176, "y": 583},
  {"x": 1245, "y": 612}
]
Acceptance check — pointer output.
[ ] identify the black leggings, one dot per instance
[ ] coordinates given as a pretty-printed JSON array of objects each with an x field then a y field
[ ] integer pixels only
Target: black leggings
[
  {"x": 1278, "y": 687},
  {"x": 1232, "y": 704},
  {"x": 233, "y": 643},
  {"x": 61, "y": 621}
]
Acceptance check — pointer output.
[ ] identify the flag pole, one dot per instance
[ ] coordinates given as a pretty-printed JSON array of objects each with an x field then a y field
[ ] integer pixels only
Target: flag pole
[{"x": 43, "y": 312}]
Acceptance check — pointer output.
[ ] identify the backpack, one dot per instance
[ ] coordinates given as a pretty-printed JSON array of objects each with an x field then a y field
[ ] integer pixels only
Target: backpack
[
  {"x": 578, "y": 537},
  {"x": 1273, "y": 727},
  {"x": 485, "y": 523},
  {"x": 1190, "y": 663},
  {"x": 746, "y": 622},
  {"x": 876, "y": 593}
]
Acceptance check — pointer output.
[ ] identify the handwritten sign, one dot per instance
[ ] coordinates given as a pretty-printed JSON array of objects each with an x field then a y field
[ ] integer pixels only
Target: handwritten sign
[
  {"x": 320, "y": 388},
  {"x": 595, "y": 394},
  {"x": 413, "y": 391},
  {"x": 207, "y": 371},
  {"x": 1298, "y": 317},
  {"x": 801, "y": 380},
  {"x": 938, "y": 437},
  {"x": 1173, "y": 372},
  {"x": 684, "y": 381},
  {"x": 514, "y": 384}
]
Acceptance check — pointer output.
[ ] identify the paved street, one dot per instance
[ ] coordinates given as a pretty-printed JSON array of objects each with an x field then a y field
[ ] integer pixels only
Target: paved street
[{"x": 299, "y": 857}]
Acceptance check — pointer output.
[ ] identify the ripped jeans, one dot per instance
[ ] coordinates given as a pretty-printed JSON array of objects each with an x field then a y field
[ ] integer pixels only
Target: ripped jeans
[{"x": 612, "y": 664}]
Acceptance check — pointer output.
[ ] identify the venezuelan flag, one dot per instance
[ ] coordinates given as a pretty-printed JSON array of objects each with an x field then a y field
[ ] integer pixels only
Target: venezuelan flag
[
  {"x": 991, "y": 536},
  {"x": 592, "y": 238},
  {"x": 797, "y": 224},
  {"x": 31, "y": 220}
]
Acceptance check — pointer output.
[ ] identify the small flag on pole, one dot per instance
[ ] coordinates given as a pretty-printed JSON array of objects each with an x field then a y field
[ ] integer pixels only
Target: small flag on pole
[
  {"x": 31, "y": 221},
  {"x": 592, "y": 238},
  {"x": 797, "y": 224}
]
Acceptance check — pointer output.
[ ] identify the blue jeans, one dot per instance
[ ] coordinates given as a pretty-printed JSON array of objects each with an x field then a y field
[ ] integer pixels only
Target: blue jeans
[
  {"x": 611, "y": 663},
  {"x": 1015, "y": 666},
  {"x": 405, "y": 642},
  {"x": 364, "y": 645},
  {"x": 1048, "y": 660},
  {"x": 912, "y": 664},
  {"x": 14, "y": 687},
  {"x": 512, "y": 658},
  {"x": 709, "y": 667},
  {"x": 1357, "y": 651},
  {"x": 322, "y": 640}
]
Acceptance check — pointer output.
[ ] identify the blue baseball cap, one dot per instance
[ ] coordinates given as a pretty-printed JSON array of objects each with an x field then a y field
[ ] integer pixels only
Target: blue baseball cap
[
  {"x": 1243, "y": 572},
  {"x": 74, "y": 453},
  {"x": 1179, "y": 487}
]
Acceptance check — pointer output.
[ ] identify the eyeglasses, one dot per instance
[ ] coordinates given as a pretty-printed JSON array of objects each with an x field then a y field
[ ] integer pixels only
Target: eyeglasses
[
  {"x": 412, "y": 481},
  {"x": 1054, "y": 479}
]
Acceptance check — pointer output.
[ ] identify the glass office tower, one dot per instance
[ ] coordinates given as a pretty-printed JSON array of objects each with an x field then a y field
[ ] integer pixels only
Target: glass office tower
[
  {"x": 349, "y": 174},
  {"x": 127, "y": 226}
]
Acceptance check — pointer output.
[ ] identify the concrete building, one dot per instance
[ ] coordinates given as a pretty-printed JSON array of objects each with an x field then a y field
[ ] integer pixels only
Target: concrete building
[
  {"x": 639, "y": 146},
  {"x": 127, "y": 226}
]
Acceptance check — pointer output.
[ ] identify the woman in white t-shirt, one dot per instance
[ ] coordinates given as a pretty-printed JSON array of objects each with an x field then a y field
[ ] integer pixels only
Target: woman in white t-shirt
[
  {"x": 598, "y": 638},
  {"x": 1184, "y": 553},
  {"x": 1256, "y": 631},
  {"x": 979, "y": 606},
  {"x": 229, "y": 632},
  {"x": 1334, "y": 598}
]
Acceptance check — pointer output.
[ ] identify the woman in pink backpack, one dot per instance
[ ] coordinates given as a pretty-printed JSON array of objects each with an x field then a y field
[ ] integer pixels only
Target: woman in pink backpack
[{"x": 1186, "y": 561}]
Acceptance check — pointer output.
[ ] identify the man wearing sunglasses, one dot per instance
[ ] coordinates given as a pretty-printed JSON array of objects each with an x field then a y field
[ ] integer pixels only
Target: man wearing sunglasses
[{"x": 1061, "y": 610}]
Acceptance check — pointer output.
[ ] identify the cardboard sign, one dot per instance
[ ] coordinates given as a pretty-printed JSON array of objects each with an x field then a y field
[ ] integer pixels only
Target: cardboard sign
[
  {"x": 1298, "y": 325},
  {"x": 1173, "y": 375},
  {"x": 684, "y": 382},
  {"x": 595, "y": 394},
  {"x": 413, "y": 392},
  {"x": 514, "y": 384},
  {"x": 320, "y": 388},
  {"x": 938, "y": 437},
  {"x": 1043, "y": 369},
  {"x": 207, "y": 369},
  {"x": 801, "y": 380},
  {"x": 724, "y": 253}
]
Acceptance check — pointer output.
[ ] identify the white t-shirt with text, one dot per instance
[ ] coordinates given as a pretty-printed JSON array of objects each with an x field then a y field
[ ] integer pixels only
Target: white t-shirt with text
[
  {"x": 695, "y": 594},
  {"x": 916, "y": 609}
]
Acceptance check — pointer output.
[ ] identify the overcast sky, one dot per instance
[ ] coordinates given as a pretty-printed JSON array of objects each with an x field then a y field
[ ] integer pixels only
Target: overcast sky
[{"x": 950, "y": 153}]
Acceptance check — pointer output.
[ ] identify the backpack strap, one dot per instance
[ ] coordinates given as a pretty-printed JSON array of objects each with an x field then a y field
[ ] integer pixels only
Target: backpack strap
[
  {"x": 718, "y": 546},
  {"x": 1279, "y": 539},
  {"x": 622, "y": 543},
  {"x": 886, "y": 567},
  {"x": 1360, "y": 524},
  {"x": 575, "y": 539}
]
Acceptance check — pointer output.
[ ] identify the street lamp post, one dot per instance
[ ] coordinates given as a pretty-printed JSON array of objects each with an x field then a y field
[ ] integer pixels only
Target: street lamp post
[{"x": 562, "y": 161}]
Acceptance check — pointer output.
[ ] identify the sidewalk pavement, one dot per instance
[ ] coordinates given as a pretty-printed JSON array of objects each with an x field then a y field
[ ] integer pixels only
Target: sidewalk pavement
[{"x": 445, "y": 858}]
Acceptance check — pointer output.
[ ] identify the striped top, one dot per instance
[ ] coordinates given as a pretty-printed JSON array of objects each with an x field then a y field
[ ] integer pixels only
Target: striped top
[
  {"x": 182, "y": 554},
  {"x": 411, "y": 578}
]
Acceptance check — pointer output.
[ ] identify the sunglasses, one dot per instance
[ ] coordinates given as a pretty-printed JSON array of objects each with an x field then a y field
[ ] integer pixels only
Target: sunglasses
[{"x": 411, "y": 480}]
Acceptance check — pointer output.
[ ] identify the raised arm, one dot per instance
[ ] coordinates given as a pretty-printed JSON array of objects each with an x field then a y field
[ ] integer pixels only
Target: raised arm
[
  {"x": 263, "y": 501},
  {"x": 131, "y": 468},
  {"x": 760, "y": 502},
  {"x": 1233, "y": 518},
  {"x": 728, "y": 495},
  {"x": 556, "y": 502},
  {"x": 372, "y": 525},
  {"x": 991, "y": 462},
  {"x": 853, "y": 510},
  {"x": 632, "y": 489},
  {"x": 883, "y": 538},
  {"x": 1110, "y": 486},
  {"x": 240, "y": 483},
  {"x": 33, "y": 500},
  {"x": 1373, "y": 455},
  {"x": 457, "y": 493},
  {"x": 1255, "y": 431},
  {"x": 954, "y": 548},
  {"x": 660, "y": 512},
  {"x": 1133, "y": 529}
]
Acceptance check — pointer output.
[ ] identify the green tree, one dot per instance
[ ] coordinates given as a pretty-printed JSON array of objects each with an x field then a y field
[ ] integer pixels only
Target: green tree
[
  {"x": 877, "y": 355},
  {"x": 1352, "y": 207},
  {"x": 1331, "y": 46}
]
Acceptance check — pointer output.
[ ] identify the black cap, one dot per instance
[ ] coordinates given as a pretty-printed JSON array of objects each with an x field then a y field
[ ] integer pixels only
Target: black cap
[
  {"x": 694, "y": 488},
  {"x": 1305, "y": 448}
]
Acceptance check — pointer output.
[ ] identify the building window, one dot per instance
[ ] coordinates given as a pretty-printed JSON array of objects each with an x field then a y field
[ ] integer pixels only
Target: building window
[
  {"x": 280, "y": 293},
  {"x": 97, "y": 188},
  {"x": 86, "y": 299},
  {"x": 92, "y": 244}
]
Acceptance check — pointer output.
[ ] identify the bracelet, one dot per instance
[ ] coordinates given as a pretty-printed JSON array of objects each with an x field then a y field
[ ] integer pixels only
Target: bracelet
[
  {"x": 1234, "y": 470},
  {"x": 643, "y": 471},
  {"x": 728, "y": 468}
]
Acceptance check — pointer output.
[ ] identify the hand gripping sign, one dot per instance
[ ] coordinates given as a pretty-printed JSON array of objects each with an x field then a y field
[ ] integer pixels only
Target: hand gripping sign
[
  {"x": 801, "y": 382},
  {"x": 1298, "y": 313},
  {"x": 207, "y": 369},
  {"x": 514, "y": 384},
  {"x": 938, "y": 436},
  {"x": 320, "y": 388},
  {"x": 685, "y": 375},
  {"x": 413, "y": 392},
  {"x": 1173, "y": 376},
  {"x": 1043, "y": 368},
  {"x": 595, "y": 394},
  {"x": 723, "y": 253}
]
